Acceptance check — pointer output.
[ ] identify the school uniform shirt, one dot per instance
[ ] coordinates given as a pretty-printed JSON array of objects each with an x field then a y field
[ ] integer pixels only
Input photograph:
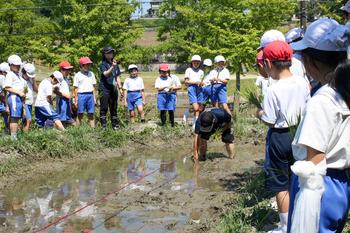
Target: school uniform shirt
[
  {"x": 170, "y": 82},
  {"x": 263, "y": 83},
  {"x": 133, "y": 84},
  {"x": 194, "y": 75},
  {"x": 2, "y": 81},
  {"x": 63, "y": 88},
  {"x": 297, "y": 68},
  {"x": 207, "y": 79},
  {"x": 325, "y": 127},
  {"x": 44, "y": 90},
  {"x": 30, "y": 94},
  {"x": 285, "y": 101},
  {"x": 108, "y": 83},
  {"x": 220, "y": 74},
  {"x": 15, "y": 81},
  {"x": 84, "y": 81}
]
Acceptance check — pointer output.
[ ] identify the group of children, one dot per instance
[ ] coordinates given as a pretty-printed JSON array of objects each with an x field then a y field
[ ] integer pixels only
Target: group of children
[{"x": 305, "y": 83}]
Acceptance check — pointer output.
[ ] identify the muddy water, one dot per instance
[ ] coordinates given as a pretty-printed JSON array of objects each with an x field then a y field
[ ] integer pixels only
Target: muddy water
[{"x": 139, "y": 204}]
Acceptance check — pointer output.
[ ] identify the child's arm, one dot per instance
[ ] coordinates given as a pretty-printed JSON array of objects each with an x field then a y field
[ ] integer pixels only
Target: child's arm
[
  {"x": 94, "y": 93},
  {"x": 126, "y": 97},
  {"x": 143, "y": 97},
  {"x": 35, "y": 86},
  {"x": 75, "y": 95},
  {"x": 14, "y": 91},
  {"x": 49, "y": 99},
  {"x": 259, "y": 114}
]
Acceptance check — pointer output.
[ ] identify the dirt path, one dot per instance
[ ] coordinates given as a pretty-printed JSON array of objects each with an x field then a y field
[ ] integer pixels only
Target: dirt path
[{"x": 186, "y": 198}]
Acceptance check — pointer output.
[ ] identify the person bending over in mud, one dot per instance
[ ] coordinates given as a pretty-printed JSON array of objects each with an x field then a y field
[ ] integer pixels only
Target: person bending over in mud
[{"x": 210, "y": 121}]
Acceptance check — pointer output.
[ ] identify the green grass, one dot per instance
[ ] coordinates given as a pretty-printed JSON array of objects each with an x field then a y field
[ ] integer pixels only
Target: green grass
[{"x": 43, "y": 144}]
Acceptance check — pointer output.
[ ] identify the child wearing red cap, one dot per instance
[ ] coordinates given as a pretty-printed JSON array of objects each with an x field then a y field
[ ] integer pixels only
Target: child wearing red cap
[
  {"x": 64, "y": 96},
  {"x": 85, "y": 91},
  {"x": 167, "y": 86},
  {"x": 283, "y": 103}
]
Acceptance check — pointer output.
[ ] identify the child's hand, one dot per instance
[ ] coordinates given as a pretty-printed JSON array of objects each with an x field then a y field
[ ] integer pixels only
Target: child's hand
[
  {"x": 7, "y": 109},
  {"x": 22, "y": 94},
  {"x": 144, "y": 102},
  {"x": 95, "y": 101}
]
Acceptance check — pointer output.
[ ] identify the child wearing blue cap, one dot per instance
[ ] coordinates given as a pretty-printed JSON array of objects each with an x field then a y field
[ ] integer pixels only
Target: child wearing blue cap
[
  {"x": 193, "y": 79},
  {"x": 43, "y": 102},
  {"x": 134, "y": 92},
  {"x": 166, "y": 100},
  {"x": 320, "y": 193},
  {"x": 85, "y": 91}
]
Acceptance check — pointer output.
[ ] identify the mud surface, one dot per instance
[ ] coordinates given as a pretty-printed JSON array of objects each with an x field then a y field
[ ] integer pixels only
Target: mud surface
[{"x": 153, "y": 189}]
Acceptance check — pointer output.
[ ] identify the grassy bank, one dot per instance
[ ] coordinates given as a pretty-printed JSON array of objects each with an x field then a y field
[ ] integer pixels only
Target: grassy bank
[{"x": 51, "y": 144}]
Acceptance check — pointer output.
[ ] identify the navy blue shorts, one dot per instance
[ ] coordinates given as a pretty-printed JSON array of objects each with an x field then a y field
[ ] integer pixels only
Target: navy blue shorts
[
  {"x": 166, "y": 101},
  {"x": 134, "y": 99},
  {"x": 220, "y": 93},
  {"x": 195, "y": 94},
  {"x": 42, "y": 114},
  {"x": 208, "y": 93},
  {"x": 16, "y": 106},
  {"x": 29, "y": 111},
  {"x": 278, "y": 160}
]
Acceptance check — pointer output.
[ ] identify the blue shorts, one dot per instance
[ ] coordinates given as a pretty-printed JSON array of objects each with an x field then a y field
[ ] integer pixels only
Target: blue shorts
[
  {"x": 63, "y": 109},
  {"x": 195, "y": 94},
  {"x": 134, "y": 99},
  {"x": 16, "y": 106},
  {"x": 42, "y": 114},
  {"x": 335, "y": 201},
  {"x": 220, "y": 93},
  {"x": 278, "y": 161},
  {"x": 207, "y": 93},
  {"x": 166, "y": 101},
  {"x": 28, "y": 108},
  {"x": 86, "y": 103},
  {"x": 2, "y": 107}
]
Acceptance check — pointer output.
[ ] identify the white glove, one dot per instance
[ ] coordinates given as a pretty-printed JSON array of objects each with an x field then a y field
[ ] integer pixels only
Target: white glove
[{"x": 307, "y": 204}]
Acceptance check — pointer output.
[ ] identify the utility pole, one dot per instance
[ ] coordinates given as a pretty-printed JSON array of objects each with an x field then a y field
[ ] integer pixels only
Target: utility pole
[{"x": 303, "y": 15}]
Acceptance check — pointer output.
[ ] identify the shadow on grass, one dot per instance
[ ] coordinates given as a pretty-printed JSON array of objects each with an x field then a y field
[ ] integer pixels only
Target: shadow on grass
[
  {"x": 215, "y": 155},
  {"x": 251, "y": 209}
]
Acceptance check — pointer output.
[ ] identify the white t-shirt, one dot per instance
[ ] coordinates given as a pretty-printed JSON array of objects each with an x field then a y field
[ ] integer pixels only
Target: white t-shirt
[
  {"x": 30, "y": 93},
  {"x": 170, "y": 82},
  {"x": 207, "y": 79},
  {"x": 297, "y": 68},
  {"x": 194, "y": 75},
  {"x": 133, "y": 84},
  {"x": 44, "y": 90},
  {"x": 63, "y": 88},
  {"x": 220, "y": 74},
  {"x": 285, "y": 101},
  {"x": 2, "y": 81},
  {"x": 15, "y": 81},
  {"x": 84, "y": 81},
  {"x": 263, "y": 84},
  {"x": 325, "y": 127}
]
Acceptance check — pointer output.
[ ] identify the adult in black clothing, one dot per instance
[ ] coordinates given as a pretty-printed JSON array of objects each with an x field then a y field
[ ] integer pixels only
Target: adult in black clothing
[
  {"x": 108, "y": 88},
  {"x": 210, "y": 121}
]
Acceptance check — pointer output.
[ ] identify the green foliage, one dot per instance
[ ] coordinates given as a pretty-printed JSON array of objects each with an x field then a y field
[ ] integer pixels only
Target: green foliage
[
  {"x": 51, "y": 30},
  {"x": 231, "y": 28}
]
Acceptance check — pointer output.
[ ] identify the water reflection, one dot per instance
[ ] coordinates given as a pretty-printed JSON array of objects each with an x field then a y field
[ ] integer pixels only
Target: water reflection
[{"x": 34, "y": 206}]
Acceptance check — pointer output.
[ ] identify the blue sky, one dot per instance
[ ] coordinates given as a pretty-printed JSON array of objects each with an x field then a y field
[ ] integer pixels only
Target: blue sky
[{"x": 145, "y": 6}]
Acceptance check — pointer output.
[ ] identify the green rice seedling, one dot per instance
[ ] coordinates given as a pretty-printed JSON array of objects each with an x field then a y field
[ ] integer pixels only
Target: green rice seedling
[{"x": 253, "y": 95}]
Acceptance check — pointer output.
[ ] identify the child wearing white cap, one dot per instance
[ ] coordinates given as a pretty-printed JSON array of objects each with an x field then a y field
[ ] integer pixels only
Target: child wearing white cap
[
  {"x": 193, "y": 79},
  {"x": 220, "y": 77},
  {"x": 15, "y": 85},
  {"x": 134, "y": 89},
  {"x": 43, "y": 102},
  {"x": 207, "y": 81},
  {"x": 4, "y": 68},
  {"x": 84, "y": 84},
  {"x": 28, "y": 74},
  {"x": 320, "y": 202}
]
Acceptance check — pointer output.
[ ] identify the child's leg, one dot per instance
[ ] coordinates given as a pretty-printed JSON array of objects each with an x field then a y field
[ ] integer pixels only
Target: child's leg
[
  {"x": 80, "y": 118},
  {"x": 226, "y": 108},
  {"x": 59, "y": 125},
  {"x": 13, "y": 127},
  {"x": 132, "y": 116},
  {"x": 26, "y": 125},
  {"x": 141, "y": 112},
  {"x": 163, "y": 117},
  {"x": 172, "y": 118},
  {"x": 91, "y": 120},
  {"x": 196, "y": 109}
]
